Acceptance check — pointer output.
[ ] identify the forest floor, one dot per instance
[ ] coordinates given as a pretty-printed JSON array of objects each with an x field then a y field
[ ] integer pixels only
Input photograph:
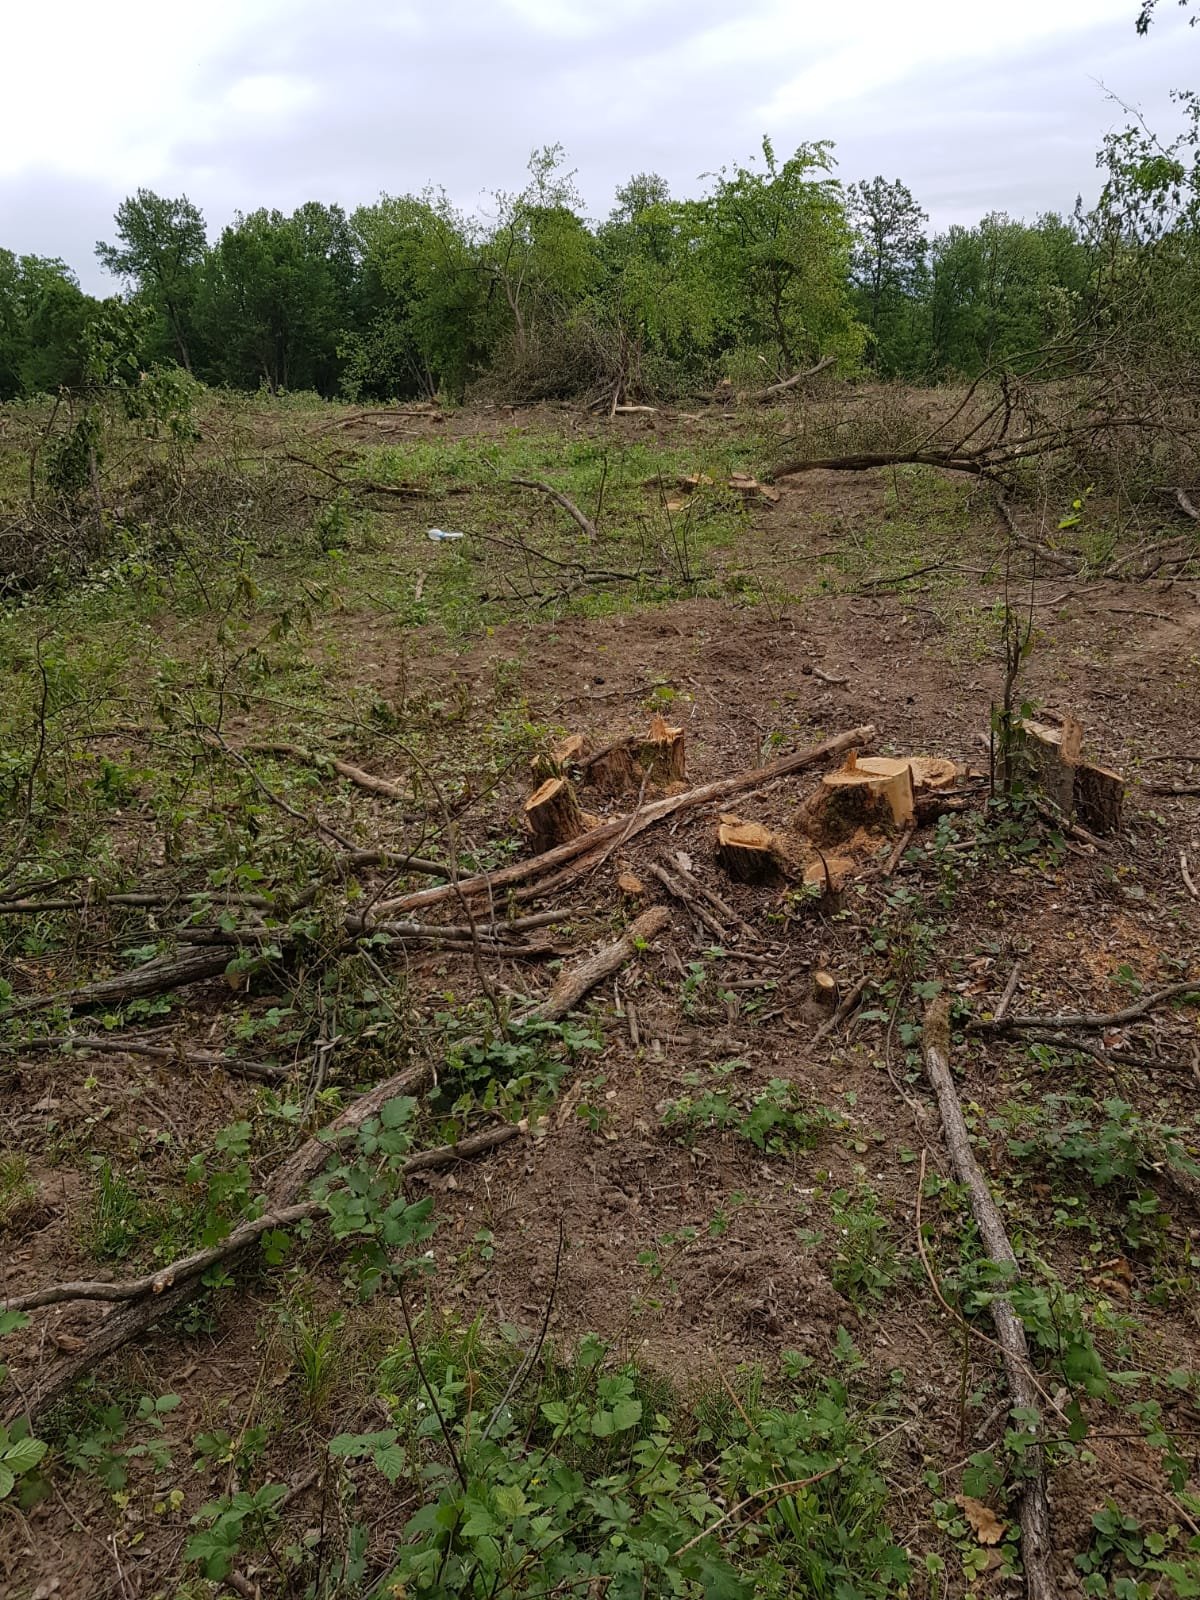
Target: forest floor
[{"x": 724, "y": 1195}]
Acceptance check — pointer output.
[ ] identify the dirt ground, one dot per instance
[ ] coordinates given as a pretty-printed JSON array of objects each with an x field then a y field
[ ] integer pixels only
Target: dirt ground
[{"x": 700, "y": 1257}]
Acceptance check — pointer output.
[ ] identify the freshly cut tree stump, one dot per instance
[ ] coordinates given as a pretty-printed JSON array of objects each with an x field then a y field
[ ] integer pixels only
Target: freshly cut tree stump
[
  {"x": 1051, "y": 756},
  {"x": 748, "y": 851},
  {"x": 554, "y": 816},
  {"x": 825, "y": 990},
  {"x": 569, "y": 754},
  {"x": 663, "y": 757},
  {"x": 829, "y": 874},
  {"x": 874, "y": 792},
  {"x": 615, "y": 769},
  {"x": 1099, "y": 797}
]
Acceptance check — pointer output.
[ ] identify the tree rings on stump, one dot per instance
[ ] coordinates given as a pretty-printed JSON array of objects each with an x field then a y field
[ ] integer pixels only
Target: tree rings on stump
[
  {"x": 748, "y": 851},
  {"x": 871, "y": 792},
  {"x": 553, "y": 815}
]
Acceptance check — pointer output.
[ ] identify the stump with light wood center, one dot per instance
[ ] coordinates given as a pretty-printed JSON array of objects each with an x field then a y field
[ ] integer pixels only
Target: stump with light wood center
[
  {"x": 553, "y": 815},
  {"x": 872, "y": 793},
  {"x": 567, "y": 756},
  {"x": 748, "y": 851},
  {"x": 662, "y": 754}
]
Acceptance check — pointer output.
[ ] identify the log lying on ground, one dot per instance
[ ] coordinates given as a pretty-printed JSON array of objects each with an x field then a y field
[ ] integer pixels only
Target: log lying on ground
[
  {"x": 156, "y": 977},
  {"x": 366, "y": 781},
  {"x": 116, "y": 1044},
  {"x": 553, "y": 815},
  {"x": 623, "y": 828},
  {"x": 1036, "y": 1544},
  {"x": 305, "y": 1163}
]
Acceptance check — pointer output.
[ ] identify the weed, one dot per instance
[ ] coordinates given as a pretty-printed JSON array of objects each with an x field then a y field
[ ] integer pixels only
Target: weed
[
  {"x": 18, "y": 1193},
  {"x": 865, "y": 1262},
  {"x": 776, "y": 1119}
]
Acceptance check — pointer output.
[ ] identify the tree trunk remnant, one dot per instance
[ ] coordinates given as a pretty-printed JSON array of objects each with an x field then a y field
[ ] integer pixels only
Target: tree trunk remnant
[{"x": 553, "y": 815}]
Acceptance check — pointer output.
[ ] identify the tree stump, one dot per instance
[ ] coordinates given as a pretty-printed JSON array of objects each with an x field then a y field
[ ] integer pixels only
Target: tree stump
[
  {"x": 662, "y": 753},
  {"x": 1052, "y": 761},
  {"x": 874, "y": 792},
  {"x": 825, "y": 990},
  {"x": 553, "y": 815},
  {"x": 561, "y": 759},
  {"x": 614, "y": 770},
  {"x": 748, "y": 851}
]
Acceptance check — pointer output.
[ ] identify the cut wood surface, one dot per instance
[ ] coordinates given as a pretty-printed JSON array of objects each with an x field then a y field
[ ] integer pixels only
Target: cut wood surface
[
  {"x": 663, "y": 754},
  {"x": 748, "y": 851},
  {"x": 1081, "y": 789},
  {"x": 868, "y": 792},
  {"x": 1036, "y": 1545},
  {"x": 628, "y": 827},
  {"x": 553, "y": 815}
]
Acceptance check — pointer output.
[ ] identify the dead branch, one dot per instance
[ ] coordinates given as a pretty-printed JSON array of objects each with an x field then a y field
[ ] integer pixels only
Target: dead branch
[
  {"x": 1091, "y": 1019},
  {"x": 118, "y": 1044},
  {"x": 568, "y": 505},
  {"x": 356, "y": 775},
  {"x": 773, "y": 390},
  {"x": 1036, "y": 1546},
  {"x": 678, "y": 890},
  {"x": 188, "y": 1267},
  {"x": 1185, "y": 503},
  {"x": 842, "y": 1012},
  {"x": 637, "y": 822},
  {"x": 580, "y": 979},
  {"x": 722, "y": 907},
  {"x": 156, "y": 977}
]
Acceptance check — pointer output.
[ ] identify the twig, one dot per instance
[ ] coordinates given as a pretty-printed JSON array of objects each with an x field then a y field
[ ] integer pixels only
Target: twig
[
  {"x": 842, "y": 1012},
  {"x": 720, "y": 906},
  {"x": 765, "y": 396},
  {"x": 1091, "y": 1019},
  {"x": 1187, "y": 877},
  {"x": 118, "y": 1044},
  {"x": 568, "y": 505},
  {"x": 1010, "y": 989},
  {"x": 893, "y": 861},
  {"x": 680, "y": 891}
]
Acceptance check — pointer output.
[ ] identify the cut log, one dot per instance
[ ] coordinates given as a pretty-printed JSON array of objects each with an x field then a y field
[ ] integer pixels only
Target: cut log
[
  {"x": 930, "y": 773},
  {"x": 875, "y": 792},
  {"x": 662, "y": 753},
  {"x": 748, "y": 851},
  {"x": 554, "y": 816},
  {"x": 631, "y": 885}
]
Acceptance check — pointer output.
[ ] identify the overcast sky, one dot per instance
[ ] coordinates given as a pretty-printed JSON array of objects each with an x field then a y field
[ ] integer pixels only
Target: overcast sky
[{"x": 244, "y": 103}]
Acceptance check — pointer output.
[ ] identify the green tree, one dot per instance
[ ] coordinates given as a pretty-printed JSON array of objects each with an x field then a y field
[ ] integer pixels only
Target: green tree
[
  {"x": 1002, "y": 289},
  {"x": 888, "y": 267},
  {"x": 418, "y": 323},
  {"x": 163, "y": 244},
  {"x": 276, "y": 296},
  {"x": 43, "y": 315},
  {"x": 776, "y": 247}
]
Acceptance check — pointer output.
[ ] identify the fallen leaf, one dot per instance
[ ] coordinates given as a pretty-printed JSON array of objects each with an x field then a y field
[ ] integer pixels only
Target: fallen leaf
[
  {"x": 630, "y": 884},
  {"x": 985, "y": 1524}
]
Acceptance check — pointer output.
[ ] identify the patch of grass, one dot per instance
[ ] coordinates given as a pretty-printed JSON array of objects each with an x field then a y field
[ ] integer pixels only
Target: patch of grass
[{"x": 18, "y": 1193}]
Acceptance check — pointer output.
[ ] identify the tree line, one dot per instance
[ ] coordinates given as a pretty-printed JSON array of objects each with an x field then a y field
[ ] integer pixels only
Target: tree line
[{"x": 773, "y": 267}]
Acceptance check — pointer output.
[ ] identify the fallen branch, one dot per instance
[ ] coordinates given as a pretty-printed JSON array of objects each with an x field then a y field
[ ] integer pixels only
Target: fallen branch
[
  {"x": 156, "y": 977},
  {"x": 680, "y": 891},
  {"x": 344, "y": 769},
  {"x": 626, "y": 827},
  {"x": 842, "y": 1012},
  {"x": 720, "y": 906},
  {"x": 116, "y": 1044},
  {"x": 578, "y": 980},
  {"x": 1036, "y": 1546},
  {"x": 303, "y": 1165},
  {"x": 765, "y": 396},
  {"x": 1091, "y": 1019},
  {"x": 188, "y": 1267},
  {"x": 568, "y": 505}
]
